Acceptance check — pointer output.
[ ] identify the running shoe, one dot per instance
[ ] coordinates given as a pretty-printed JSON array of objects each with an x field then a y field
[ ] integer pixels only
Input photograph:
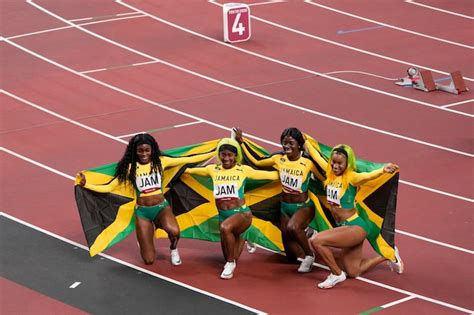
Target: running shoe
[
  {"x": 251, "y": 247},
  {"x": 332, "y": 280},
  {"x": 306, "y": 265},
  {"x": 228, "y": 271},
  {"x": 397, "y": 265},
  {"x": 175, "y": 259}
]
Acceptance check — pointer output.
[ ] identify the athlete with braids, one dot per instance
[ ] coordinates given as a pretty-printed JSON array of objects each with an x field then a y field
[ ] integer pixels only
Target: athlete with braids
[
  {"x": 297, "y": 209},
  {"x": 341, "y": 185},
  {"x": 141, "y": 168},
  {"x": 229, "y": 179}
]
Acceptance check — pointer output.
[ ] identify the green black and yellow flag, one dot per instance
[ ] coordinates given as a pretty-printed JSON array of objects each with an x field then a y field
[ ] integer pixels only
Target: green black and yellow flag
[
  {"x": 376, "y": 200},
  {"x": 108, "y": 218}
]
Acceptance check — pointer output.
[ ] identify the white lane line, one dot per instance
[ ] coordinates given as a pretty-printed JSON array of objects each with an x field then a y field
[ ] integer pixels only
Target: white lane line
[
  {"x": 389, "y": 26},
  {"x": 150, "y": 131},
  {"x": 458, "y": 103},
  {"x": 36, "y": 163},
  {"x": 429, "y": 240},
  {"x": 74, "y": 285},
  {"x": 145, "y": 63},
  {"x": 130, "y": 135},
  {"x": 266, "y": 2},
  {"x": 225, "y": 128},
  {"x": 119, "y": 261},
  {"x": 103, "y": 17},
  {"x": 408, "y": 298},
  {"x": 439, "y": 10},
  {"x": 94, "y": 70},
  {"x": 121, "y": 66},
  {"x": 188, "y": 124},
  {"x": 419, "y": 296},
  {"x": 62, "y": 117},
  {"x": 189, "y": 115},
  {"x": 328, "y": 41},
  {"x": 436, "y": 191},
  {"x": 379, "y": 284},
  {"x": 69, "y": 26},
  {"x": 236, "y": 87}
]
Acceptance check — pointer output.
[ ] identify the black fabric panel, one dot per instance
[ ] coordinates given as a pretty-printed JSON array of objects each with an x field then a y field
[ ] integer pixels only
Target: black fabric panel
[
  {"x": 97, "y": 210},
  {"x": 268, "y": 210},
  {"x": 384, "y": 197},
  {"x": 183, "y": 199},
  {"x": 384, "y": 203}
]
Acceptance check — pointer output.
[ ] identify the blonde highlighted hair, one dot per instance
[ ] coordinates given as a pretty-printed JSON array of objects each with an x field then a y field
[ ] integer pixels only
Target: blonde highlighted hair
[{"x": 345, "y": 150}]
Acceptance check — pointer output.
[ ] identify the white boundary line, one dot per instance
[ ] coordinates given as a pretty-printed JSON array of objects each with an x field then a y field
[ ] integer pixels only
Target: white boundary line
[
  {"x": 458, "y": 103},
  {"x": 41, "y": 165},
  {"x": 440, "y": 10},
  {"x": 421, "y": 297},
  {"x": 388, "y": 25},
  {"x": 102, "y": 17},
  {"x": 436, "y": 191},
  {"x": 408, "y": 298},
  {"x": 236, "y": 87},
  {"x": 328, "y": 41},
  {"x": 119, "y": 261},
  {"x": 69, "y": 26},
  {"x": 250, "y": 136},
  {"x": 267, "y": 2},
  {"x": 174, "y": 126},
  {"x": 429, "y": 240},
  {"x": 186, "y": 114},
  {"x": 382, "y": 285},
  {"x": 120, "y": 66}
]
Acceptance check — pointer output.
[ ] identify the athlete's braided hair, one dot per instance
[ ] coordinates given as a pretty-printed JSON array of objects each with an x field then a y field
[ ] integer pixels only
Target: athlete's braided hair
[
  {"x": 296, "y": 134},
  {"x": 127, "y": 166}
]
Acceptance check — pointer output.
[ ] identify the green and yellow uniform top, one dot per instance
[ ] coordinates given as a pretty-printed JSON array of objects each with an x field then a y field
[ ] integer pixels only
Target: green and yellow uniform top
[
  {"x": 341, "y": 190},
  {"x": 230, "y": 183},
  {"x": 294, "y": 175},
  {"x": 148, "y": 183}
]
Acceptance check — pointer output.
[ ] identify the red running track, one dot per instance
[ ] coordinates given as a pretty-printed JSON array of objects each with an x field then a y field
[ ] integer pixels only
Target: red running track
[{"x": 68, "y": 148}]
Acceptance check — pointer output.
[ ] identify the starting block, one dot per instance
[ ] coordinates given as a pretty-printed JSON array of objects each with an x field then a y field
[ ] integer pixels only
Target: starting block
[
  {"x": 457, "y": 85},
  {"x": 236, "y": 22},
  {"x": 423, "y": 80}
]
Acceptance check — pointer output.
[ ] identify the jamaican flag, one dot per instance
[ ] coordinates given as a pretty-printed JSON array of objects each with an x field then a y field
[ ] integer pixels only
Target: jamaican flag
[
  {"x": 376, "y": 200},
  {"x": 107, "y": 218},
  {"x": 193, "y": 204}
]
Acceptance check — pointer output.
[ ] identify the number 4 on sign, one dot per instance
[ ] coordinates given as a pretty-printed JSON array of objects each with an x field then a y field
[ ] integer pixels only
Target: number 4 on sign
[
  {"x": 236, "y": 22},
  {"x": 238, "y": 27}
]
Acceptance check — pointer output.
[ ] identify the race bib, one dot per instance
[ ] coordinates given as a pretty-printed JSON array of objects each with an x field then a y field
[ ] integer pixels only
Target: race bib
[
  {"x": 148, "y": 183},
  {"x": 226, "y": 191},
  {"x": 333, "y": 194},
  {"x": 291, "y": 182}
]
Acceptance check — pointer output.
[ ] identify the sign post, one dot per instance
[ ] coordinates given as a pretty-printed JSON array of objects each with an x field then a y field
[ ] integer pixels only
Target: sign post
[{"x": 236, "y": 22}]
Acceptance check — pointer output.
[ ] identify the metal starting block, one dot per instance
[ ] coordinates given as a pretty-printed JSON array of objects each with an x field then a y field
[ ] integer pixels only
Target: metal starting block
[{"x": 423, "y": 80}]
